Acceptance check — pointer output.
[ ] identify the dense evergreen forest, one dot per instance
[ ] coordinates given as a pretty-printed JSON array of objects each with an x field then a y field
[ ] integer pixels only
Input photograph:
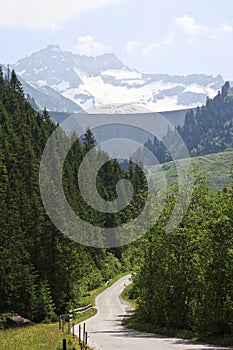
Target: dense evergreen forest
[
  {"x": 184, "y": 278},
  {"x": 207, "y": 130},
  {"x": 42, "y": 271}
]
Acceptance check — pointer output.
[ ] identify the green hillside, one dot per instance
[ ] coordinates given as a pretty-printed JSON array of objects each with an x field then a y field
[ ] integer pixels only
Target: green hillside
[
  {"x": 216, "y": 167},
  {"x": 206, "y": 130}
]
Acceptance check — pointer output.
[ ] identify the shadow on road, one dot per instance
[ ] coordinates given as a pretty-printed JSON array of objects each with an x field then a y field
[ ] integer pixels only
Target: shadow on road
[{"x": 130, "y": 333}]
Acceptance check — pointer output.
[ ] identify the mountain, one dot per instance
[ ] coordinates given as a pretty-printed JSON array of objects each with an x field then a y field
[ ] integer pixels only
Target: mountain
[
  {"x": 45, "y": 96},
  {"x": 104, "y": 84},
  {"x": 206, "y": 130}
]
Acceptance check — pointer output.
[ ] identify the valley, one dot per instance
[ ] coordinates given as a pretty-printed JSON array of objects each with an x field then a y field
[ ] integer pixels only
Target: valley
[{"x": 179, "y": 273}]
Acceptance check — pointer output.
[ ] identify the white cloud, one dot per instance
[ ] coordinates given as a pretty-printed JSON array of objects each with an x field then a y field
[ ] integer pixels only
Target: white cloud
[
  {"x": 187, "y": 25},
  {"x": 146, "y": 49},
  {"x": 40, "y": 14},
  {"x": 149, "y": 48},
  {"x": 194, "y": 30},
  {"x": 87, "y": 45},
  {"x": 225, "y": 28},
  {"x": 169, "y": 41},
  {"x": 132, "y": 45},
  {"x": 190, "y": 27},
  {"x": 54, "y": 28}
]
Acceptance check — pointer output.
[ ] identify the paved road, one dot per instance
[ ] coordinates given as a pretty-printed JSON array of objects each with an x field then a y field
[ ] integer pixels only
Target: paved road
[{"x": 105, "y": 331}]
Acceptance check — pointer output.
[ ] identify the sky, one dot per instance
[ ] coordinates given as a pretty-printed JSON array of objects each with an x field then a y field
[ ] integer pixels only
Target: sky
[{"x": 167, "y": 36}]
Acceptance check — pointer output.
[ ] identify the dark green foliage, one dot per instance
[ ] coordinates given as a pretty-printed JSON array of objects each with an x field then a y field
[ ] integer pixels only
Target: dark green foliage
[
  {"x": 207, "y": 130},
  {"x": 210, "y": 129},
  {"x": 42, "y": 271},
  {"x": 15, "y": 84},
  {"x": 88, "y": 140}
]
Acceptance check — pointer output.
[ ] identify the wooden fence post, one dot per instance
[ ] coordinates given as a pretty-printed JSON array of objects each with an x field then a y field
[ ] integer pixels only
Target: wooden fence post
[
  {"x": 79, "y": 333},
  {"x": 84, "y": 331},
  {"x": 64, "y": 344},
  {"x": 70, "y": 319},
  {"x": 85, "y": 338}
]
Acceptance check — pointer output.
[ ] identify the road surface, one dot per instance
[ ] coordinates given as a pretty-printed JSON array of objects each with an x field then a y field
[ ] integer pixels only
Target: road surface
[{"x": 105, "y": 331}]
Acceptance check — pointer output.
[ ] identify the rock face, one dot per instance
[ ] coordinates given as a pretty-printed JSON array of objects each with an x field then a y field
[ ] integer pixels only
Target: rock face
[{"x": 17, "y": 321}]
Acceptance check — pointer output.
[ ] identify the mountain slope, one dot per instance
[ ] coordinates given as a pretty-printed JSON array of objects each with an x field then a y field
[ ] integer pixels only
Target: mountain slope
[
  {"x": 210, "y": 129},
  {"x": 206, "y": 130},
  {"x": 94, "y": 82},
  {"x": 216, "y": 167},
  {"x": 45, "y": 96}
]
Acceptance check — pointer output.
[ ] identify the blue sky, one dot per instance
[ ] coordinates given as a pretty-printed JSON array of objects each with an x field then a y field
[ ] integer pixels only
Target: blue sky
[{"x": 166, "y": 36}]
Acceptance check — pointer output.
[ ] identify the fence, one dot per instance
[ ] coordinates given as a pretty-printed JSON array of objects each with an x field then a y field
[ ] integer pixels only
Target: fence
[
  {"x": 68, "y": 318},
  {"x": 82, "y": 336}
]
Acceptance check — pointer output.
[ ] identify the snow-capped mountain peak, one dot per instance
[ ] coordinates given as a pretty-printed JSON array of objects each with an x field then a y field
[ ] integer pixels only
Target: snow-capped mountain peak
[{"x": 93, "y": 82}]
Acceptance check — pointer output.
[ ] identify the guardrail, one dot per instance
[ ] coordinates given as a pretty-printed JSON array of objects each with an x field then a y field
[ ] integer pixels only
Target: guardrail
[
  {"x": 68, "y": 318},
  {"x": 83, "y": 309}
]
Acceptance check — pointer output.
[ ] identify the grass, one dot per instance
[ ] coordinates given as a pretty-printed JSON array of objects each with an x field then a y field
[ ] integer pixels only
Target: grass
[
  {"x": 90, "y": 297},
  {"x": 216, "y": 167},
  {"x": 84, "y": 316},
  {"x": 38, "y": 337},
  {"x": 48, "y": 336},
  {"x": 126, "y": 297}
]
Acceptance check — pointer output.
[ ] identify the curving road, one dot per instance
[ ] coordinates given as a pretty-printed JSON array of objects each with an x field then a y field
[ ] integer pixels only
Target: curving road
[{"x": 105, "y": 331}]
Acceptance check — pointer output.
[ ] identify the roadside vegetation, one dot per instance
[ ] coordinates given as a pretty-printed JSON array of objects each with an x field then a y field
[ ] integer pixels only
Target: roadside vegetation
[
  {"x": 48, "y": 336},
  {"x": 38, "y": 337},
  {"x": 183, "y": 278},
  {"x": 183, "y": 284}
]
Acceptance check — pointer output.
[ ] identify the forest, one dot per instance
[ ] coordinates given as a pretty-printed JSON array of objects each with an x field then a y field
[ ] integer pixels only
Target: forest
[
  {"x": 43, "y": 272},
  {"x": 183, "y": 278},
  {"x": 206, "y": 130}
]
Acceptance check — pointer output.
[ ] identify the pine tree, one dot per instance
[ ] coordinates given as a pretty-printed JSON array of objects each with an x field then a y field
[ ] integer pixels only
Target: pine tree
[
  {"x": 35, "y": 257},
  {"x": 16, "y": 84},
  {"x": 88, "y": 140}
]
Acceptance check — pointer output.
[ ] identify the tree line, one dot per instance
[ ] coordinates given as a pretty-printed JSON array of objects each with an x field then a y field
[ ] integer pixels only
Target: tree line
[
  {"x": 43, "y": 272},
  {"x": 208, "y": 129},
  {"x": 185, "y": 278}
]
